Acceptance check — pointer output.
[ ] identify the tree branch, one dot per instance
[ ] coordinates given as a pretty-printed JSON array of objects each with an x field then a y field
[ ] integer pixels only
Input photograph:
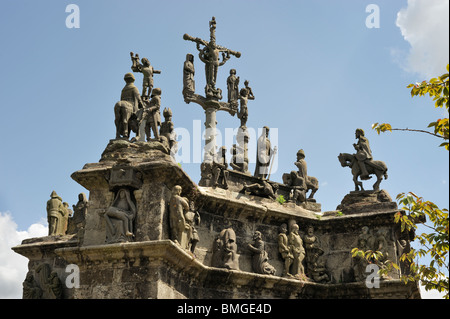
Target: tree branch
[{"x": 421, "y": 131}]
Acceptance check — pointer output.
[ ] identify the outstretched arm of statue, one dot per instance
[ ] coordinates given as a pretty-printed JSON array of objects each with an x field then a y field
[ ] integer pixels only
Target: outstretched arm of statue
[{"x": 225, "y": 58}]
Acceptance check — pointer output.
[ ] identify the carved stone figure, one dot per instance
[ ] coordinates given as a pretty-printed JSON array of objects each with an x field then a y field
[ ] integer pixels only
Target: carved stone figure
[
  {"x": 298, "y": 252},
  {"x": 285, "y": 250},
  {"x": 260, "y": 258},
  {"x": 313, "y": 251},
  {"x": 381, "y": 245},
  {"x": 264, "y": 154},
  {"x": 210, "y": 55},
  {"x": 48, "y": 282},
  {"x": 404, "y": 247},
  {"x": 264, "y": 189},
  {"x": 177, "y": 207},
  {"x": 78, "y": 219},
  {"x": 243, "y": 111},
  {"x": 188, "y": 76},
  {"x": 363, "y": 153},
  {"x": 120, "y": 217},
  {"x": 192, "y": 218},
  {"x": 220, "y": 168},
  {"x": 55, "y": 285},
  {"x": 239, "y": 152},
  {"x": 167, "y": 130},
  {"x": 251, "y": 96},
  {"x": 362, "y": 163},
  {"x": 238, "y": 161},
  {"x": 31, "y": 290},
  {"x": 126, "y": 109},
  {"x": 225, "y": 249},
  {"x": 147, "y": 70},
  {"x": 299, "y": 180},
  {"x": 57, "y": 215},
  {"x": 318, "y": 273},
  {"x": 403, "y": 244},
  {"x": 364, "y": 242},
  {"x": 152, "y": 114},
  {"x": 233, "y": 88}
]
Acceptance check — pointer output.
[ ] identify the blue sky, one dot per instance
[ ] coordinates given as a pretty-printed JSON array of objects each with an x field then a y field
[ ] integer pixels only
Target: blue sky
[{"x": 317, "y": 71}]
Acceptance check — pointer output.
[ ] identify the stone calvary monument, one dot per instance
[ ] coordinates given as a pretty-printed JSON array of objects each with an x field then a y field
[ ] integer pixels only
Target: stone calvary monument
[{"x": 146, "y": 230}]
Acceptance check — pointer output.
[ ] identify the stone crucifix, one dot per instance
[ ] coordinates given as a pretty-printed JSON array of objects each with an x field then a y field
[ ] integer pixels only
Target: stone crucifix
[{"x": 209, "y": 53}]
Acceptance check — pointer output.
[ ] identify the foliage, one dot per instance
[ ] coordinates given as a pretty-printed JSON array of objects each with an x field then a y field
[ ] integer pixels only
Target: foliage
[
  {"x": 434, "y": 243},
  {"x": 438, "y": 90},
  {"x": 281, "y": 200},
  {"x": 339, "y": 213}
]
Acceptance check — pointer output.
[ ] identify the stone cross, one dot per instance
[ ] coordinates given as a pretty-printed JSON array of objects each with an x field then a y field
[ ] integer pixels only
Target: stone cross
[{"x": 210, "y": 55}]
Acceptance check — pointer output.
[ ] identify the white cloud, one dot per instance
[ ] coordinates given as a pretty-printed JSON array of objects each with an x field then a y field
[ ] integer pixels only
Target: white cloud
[
  {"x": 425, "y": 25},
  {"x": 430, "y": 294},
  {"x": 13, "y": 267}
]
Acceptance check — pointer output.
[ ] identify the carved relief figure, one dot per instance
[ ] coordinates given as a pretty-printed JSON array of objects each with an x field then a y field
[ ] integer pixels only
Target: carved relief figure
[
  {"x": 285, "y": 250},
  {"x": 260, "y": 258},
  {"x": 364, "y": 242},
  {"x": 315, "y": 268},
  {"x": 298, "y": 252},
  {"x": 120, "y": 217},
  {"x": 225, "y": 249},
  {"x": 192, "y": 218},
  {"x": 147, "y": 70},
  {"x": 31, "y": 290},
  {"x": 49, "y": 283},
  {"x": 57, "y": 215},
  {"x": 177, "y": 207}
]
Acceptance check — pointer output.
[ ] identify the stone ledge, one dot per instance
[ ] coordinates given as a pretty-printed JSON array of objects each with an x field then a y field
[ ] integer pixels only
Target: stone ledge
[{"x": 366, "y": 201}]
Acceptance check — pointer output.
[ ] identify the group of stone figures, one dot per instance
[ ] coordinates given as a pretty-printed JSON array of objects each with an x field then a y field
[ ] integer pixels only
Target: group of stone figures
[
  {"x": 141, "y": 114},
  {"x": 361, "y": 163},
  {"x": 61, "y": 219},
  {"x": 44, "y": 284},
  {"x": 377, "y": 241},
  {"x": 300, "y": 256}
]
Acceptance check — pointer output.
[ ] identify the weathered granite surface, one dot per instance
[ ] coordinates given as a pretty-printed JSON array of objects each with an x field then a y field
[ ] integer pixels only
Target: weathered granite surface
[{"x": 150, "y": 265}]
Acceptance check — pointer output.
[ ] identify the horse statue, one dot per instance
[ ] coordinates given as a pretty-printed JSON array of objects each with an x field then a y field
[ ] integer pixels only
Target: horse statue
[
  {"x": 129, "y": 110},
  {"x": 125, "y": 119},
  {"x": 378, "y": 168},
  {"x": 292, "y": 180}
]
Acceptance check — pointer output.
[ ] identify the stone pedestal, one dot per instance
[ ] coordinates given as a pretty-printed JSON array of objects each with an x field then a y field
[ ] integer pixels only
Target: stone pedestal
[{"x": 150, "y": 265}]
